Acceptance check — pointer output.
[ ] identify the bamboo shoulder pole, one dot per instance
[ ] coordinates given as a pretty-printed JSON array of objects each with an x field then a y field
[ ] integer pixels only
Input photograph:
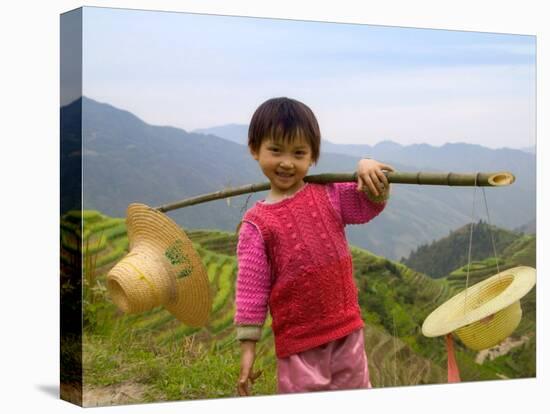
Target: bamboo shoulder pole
[{"x": 481, "y": 179}]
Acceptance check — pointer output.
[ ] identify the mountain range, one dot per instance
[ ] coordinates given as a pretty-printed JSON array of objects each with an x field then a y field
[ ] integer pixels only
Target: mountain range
[
  {"x": 238, "y": 133},
  {"x": 126, "y": 160}
]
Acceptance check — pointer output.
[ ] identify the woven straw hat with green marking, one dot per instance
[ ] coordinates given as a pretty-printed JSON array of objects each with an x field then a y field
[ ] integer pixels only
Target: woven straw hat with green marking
[
  {"x": 161, "y": 269},
  {"x": 484, "y": 314}
]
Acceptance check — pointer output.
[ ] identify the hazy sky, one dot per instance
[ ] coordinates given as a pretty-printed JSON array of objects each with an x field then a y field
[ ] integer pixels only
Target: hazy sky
[{"x": 365, "y": 83}]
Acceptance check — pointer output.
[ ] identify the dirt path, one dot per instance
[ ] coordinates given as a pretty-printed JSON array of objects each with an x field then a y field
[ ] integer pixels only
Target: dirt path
[
  {"x": 501, "y": 349},
  {"x": 125, "y": 393}
]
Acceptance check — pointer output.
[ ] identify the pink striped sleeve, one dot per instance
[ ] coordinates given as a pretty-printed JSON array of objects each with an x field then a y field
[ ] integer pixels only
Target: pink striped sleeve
[
  {"x": 354, "y": 207},
  {"x": 253, "y": 277}
]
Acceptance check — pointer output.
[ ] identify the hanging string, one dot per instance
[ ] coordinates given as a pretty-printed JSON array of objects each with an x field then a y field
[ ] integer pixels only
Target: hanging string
[
  {"x": 470, "y": 246},
  {"x": 490, "y": 229},
  {"x": 245, "y": 206}
]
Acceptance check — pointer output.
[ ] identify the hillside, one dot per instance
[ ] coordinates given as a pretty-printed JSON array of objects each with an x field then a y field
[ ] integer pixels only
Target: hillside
[
  {"x": 441, "y": 257},
  {"x": 521, "y": 252},
  {"x": 151, "y": 356},
  {"x": 456, "y": 157},
  {"x": 127, "y": 160},
  {"x": 514, "y": 249}
]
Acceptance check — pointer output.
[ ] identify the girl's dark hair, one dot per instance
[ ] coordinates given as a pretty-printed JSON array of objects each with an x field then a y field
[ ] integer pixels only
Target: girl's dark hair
[{"x": 284, "y": 119}]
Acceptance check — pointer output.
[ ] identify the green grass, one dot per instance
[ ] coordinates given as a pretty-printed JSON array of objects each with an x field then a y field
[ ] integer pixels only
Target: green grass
[
  {"x": 186, "y": 370},
  {"x": 225, "y": 286},
  {"x": 223, "y": 322},
  {"x": 213, "y": 268},
  {"x": 115, "y": 252},
  {"x": 174, "y": 361}
]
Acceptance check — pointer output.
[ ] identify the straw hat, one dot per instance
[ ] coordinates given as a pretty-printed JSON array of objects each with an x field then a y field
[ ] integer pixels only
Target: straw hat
[
  {"x": 161, "y": 269},
  {"x": 486, "y": 313}
]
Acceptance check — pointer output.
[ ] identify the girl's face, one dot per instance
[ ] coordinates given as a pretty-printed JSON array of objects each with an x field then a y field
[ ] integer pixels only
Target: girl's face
[{"x": 284, "y": 164}]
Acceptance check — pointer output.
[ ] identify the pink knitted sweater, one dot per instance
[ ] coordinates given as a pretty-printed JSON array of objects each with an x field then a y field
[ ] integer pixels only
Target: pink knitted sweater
[{"x": 255, "y": 275}]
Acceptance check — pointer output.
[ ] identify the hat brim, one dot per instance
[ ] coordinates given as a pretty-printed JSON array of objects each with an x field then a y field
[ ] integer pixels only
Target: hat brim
[
  {"x": 193, "y": 299},
  {"x": 190, "y": 306},
  {"x": 480, "y": 301}
]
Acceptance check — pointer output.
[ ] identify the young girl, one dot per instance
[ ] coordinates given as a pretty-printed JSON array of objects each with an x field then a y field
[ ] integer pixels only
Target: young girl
[{"x": 293, "y": 257}]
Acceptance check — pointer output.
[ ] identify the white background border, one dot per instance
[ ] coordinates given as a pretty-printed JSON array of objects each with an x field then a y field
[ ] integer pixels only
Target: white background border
[{"x": 30, "y": 203}]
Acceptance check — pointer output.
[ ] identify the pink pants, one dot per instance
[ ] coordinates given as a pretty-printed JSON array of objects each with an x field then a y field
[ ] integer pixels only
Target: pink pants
[{"x": 337, "y": 365}]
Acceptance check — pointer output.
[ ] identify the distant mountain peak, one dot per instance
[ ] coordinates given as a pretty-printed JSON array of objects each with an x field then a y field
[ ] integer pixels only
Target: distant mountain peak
[
  {"x": 388, "y": 144},
  {"x": 232, "y": 132}
]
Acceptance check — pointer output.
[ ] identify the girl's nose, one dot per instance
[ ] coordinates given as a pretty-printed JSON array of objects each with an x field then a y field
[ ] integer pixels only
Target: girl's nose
[{"x": 286, "y": 164}]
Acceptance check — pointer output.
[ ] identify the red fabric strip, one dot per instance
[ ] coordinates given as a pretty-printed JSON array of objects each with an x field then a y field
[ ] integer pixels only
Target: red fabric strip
[{"x": 453, "y": 375}]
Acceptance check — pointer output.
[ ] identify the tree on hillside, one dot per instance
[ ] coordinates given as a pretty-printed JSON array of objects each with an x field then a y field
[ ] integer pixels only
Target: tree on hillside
[{"x": 441, "y": 257}]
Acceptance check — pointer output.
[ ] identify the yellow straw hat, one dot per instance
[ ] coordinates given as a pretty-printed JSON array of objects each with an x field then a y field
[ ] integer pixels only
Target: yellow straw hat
[
  {"x": 486, "y": 313},
  {"x": 161, "y": 269}
]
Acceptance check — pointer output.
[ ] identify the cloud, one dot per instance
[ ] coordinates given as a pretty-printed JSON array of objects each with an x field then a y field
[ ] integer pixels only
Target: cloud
[
  {"x": 364, "y": 82},
  {"x": 494, "y": 106}
]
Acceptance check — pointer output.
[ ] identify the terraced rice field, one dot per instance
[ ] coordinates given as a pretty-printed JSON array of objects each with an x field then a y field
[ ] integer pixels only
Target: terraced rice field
[{"x": 398, "y": 354}]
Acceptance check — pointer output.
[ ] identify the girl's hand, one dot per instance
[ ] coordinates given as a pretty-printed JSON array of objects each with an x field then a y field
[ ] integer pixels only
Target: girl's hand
[
  {"x": 248, "y": 355},
  {"x": 371, "y": 178}
]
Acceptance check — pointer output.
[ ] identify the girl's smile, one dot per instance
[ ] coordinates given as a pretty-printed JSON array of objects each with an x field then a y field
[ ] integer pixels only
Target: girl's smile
[{"x": 285, "y": 164}]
